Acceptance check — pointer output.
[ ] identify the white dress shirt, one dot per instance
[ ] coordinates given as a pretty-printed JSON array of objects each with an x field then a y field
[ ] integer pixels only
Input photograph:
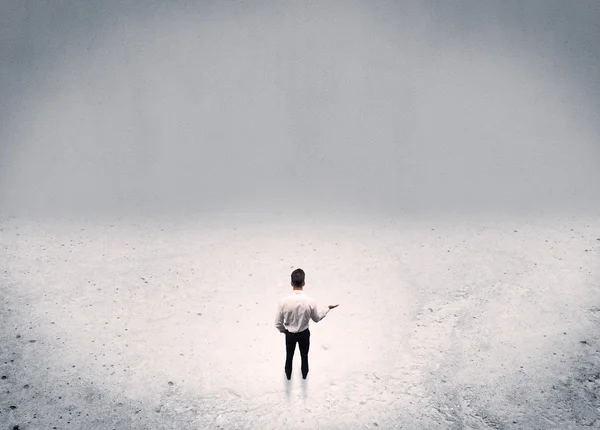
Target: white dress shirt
[{"x": 295, "y": 311}]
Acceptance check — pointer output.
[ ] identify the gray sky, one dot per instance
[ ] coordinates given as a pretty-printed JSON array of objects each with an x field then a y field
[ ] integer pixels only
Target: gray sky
[{"x": 409, "y": 106}]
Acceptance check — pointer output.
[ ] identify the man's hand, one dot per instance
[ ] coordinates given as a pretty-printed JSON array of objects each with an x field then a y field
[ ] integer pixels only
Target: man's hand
[{"x": 333, "y": 306}]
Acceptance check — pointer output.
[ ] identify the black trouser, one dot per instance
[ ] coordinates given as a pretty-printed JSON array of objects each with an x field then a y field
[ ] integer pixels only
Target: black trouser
[{"x": 303, "y": 339}]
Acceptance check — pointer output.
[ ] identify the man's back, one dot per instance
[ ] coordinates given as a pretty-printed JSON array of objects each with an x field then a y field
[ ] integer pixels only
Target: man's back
[{"x": 295, "y": 312}]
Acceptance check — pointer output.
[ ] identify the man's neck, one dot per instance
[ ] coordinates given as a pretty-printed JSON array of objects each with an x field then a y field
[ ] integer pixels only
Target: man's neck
[{"x": 297, "y": 289}]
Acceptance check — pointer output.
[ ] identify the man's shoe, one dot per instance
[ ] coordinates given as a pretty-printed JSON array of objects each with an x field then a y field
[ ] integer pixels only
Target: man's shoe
[
  {"x": 304, "y": 375},
  {"x": 288, "y": 376}
]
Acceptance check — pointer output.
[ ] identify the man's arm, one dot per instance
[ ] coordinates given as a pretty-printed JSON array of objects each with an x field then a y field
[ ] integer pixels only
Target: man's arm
[
  {"x": 317, "y": 316},
  {"x": 279, "y": 319}
]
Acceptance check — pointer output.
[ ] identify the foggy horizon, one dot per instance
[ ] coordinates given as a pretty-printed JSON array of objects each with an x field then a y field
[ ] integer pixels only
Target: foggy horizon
[{"x": 384, "y": 108}]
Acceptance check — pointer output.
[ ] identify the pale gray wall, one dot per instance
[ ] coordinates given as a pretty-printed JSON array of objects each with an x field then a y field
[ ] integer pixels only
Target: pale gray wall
[{"x": 141, "y": 107}]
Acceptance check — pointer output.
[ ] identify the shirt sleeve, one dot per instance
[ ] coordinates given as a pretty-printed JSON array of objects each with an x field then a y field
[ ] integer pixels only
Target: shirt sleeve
[
  {"x": 317, "y": 316},
  {"x": 279, "y": 319}
]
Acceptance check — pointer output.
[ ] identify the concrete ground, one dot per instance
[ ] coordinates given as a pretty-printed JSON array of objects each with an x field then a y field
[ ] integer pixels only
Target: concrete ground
[{"x": 482, "y": 323}]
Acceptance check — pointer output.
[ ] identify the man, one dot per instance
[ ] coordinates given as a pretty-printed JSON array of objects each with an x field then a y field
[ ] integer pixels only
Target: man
[{"x": 293, "y": 315}]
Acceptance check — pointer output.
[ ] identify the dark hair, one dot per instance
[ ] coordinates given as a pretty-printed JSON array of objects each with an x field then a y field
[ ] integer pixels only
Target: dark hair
[{"x": 297, "y": 277}]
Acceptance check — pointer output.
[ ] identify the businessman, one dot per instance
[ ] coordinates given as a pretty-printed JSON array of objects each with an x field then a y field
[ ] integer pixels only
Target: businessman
[{"x": 293, "y": 315}]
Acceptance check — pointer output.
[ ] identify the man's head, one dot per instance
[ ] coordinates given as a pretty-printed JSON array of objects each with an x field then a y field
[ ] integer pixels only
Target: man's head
[{"x": 298, "y": 278}]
